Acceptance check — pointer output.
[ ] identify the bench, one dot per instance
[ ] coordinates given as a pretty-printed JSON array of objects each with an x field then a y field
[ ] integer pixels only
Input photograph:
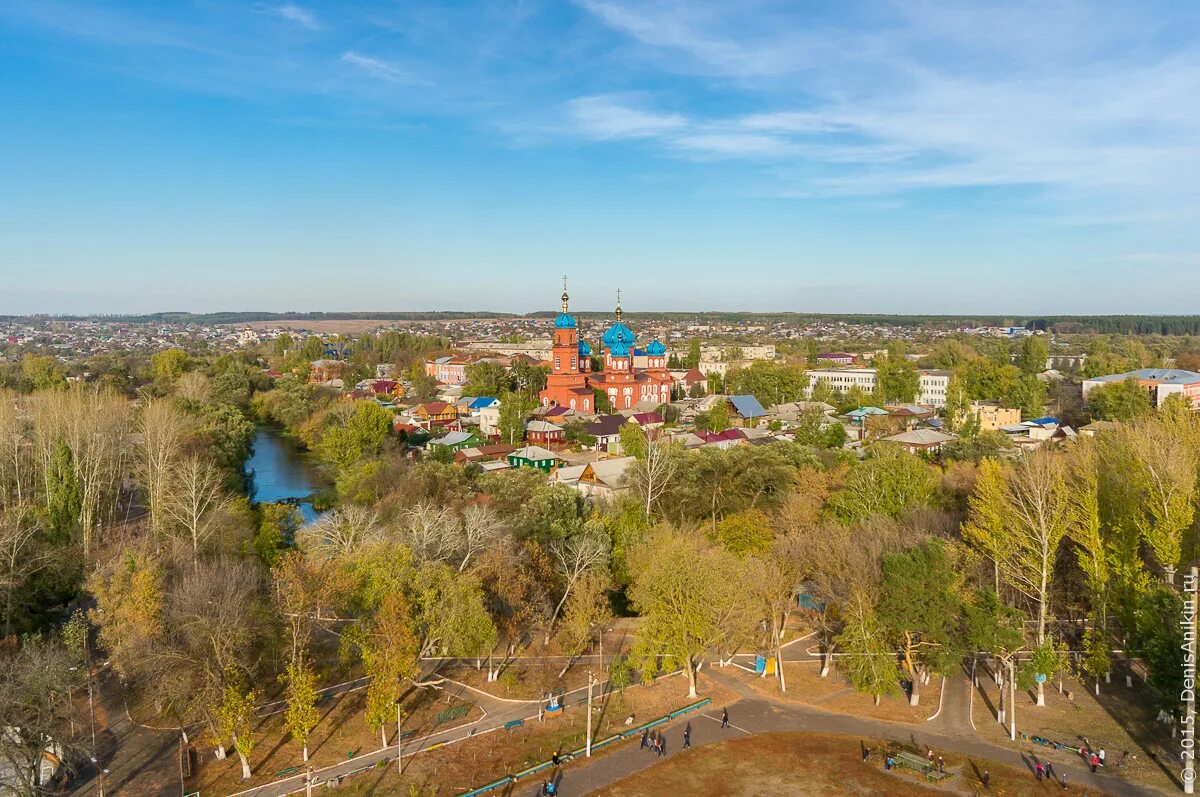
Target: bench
[{"x": 918, "y": 763}]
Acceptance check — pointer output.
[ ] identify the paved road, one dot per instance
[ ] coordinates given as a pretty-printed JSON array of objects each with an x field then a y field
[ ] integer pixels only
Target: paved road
[{"x": 752, "y": 714}]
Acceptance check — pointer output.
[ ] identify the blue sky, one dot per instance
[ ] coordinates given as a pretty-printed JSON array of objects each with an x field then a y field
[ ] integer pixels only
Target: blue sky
[{"x": 889, "y": 156}]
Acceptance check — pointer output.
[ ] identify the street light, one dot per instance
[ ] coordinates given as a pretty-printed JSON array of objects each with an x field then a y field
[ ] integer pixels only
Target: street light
[{"x": 591, "y": 682}]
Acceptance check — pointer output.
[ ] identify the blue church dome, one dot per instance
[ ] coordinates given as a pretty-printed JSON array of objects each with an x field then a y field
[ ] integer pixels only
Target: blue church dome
[
  {"x": 656, "y": 348},
  {"x": 620, "y": 346},
  {"x": 618, "y": 331},
  {"x": 584, "y": 349},
  {"x": 564, "y": 321}
]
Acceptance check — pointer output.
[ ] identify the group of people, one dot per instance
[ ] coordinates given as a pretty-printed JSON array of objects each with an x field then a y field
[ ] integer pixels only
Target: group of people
[
  {"x": 1093, "y": 758},
  {"x": 656, "y": 742},
  {"x": 1045, "y": 770}
]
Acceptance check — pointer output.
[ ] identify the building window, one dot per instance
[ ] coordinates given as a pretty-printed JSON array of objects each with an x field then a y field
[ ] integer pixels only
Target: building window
[
  {"x": 556, "y": 363},
  {"x": 572, "y": 362},
  {"x": 572, "y": 403}
]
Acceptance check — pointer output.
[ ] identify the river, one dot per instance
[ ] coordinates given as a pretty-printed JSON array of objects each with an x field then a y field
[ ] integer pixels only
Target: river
[{"x": 280, "y": 470}]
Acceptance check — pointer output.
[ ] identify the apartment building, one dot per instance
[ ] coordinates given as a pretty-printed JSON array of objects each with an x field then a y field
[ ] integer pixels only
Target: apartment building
[{"x": 931, "y": 391}]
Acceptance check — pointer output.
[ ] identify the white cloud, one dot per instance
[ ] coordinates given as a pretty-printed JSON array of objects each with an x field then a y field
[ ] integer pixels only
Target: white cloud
[
  {"x": 377, "y": 68},
  {"x": 301, "y": 16},
  {"x": 610, "y": 116}
]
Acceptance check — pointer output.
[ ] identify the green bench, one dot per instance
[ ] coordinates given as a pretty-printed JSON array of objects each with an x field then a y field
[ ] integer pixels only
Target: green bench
[{"x": 918, "y": 763}]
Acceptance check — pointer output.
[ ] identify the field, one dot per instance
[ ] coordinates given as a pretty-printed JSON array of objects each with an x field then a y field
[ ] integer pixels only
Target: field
[{"x": 785, "y": 764}]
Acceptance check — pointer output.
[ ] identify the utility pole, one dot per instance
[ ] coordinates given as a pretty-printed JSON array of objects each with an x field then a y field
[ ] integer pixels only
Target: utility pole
[
  {"x": 591, "y": 680},
  {"x": 1012, "y": 698}
]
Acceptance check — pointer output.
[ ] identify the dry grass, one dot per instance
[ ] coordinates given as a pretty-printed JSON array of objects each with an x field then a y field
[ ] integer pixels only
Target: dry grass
[
  {"x": 1120, "y": 719},
  {"x": 787, "y": 764},
  {"x": 805, "y": 686}
]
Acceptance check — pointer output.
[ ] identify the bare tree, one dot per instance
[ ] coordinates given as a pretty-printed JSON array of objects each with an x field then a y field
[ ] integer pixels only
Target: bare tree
[
  {"x": 480, "y": 529},
  {"x": 652, "y": 476},
  {"x": 340, "y": 532},
  {"x": 574, "y": 558},
  {"x": 163, "y": 433},
  {"x": 430, "y": 531},
  {"x": 19, "y": 557},
  {"x": 197, "y": 500},
  {"x": 16, "y": 468}
]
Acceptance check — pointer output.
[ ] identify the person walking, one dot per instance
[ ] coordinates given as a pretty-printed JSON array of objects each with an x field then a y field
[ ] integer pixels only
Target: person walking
[
  {"x": 1050, "y": 770},
  {"x": 1039, "y": 770},
  {"x": 645, "y": 739},
  {"x": 687, "y": 737},
  {"x": 1095, "y": 762},
  {"x": 889, "y": 762},
  {"x": 724, "y": 718},
  {"x": 1100, "y": 755},
  {"x": 866, "y": 753},
  {"x": 987, "y": 779},
  {"x": 662, "y": 746},
  {"x": 941, "y": 765},
  {"x": 931, "y": 756},
  {"x": 1064, "y": 781}
]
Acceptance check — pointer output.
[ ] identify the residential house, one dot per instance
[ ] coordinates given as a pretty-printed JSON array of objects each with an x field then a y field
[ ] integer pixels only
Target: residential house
[
  {"x": 544, "y": 433},
  {"x": 434, "y": 413},
  {"x": 488, "y": 452},
  {"x": 918, "y": 440},
  {"x": 533, "y": 457},
  {"x": 607, "y": 431},
  {"x": 1099, "y": 427},
  {"x": 489, "y": 421},
  {"x": 745, "y": 410},
  {"x": 647, "y": 420},
  {"x": 909, "y": 415},
  {"x": 456, "y": 441},
  {"x": 604, "y": 477},
  {"x": 689, "y": 379},
  {"x": 449, "y": 370},
  {"x": 324, "y": 371}
]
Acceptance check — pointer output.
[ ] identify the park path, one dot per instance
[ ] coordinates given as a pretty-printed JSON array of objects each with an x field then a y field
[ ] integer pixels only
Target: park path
[{"x": 752, "y": 714}]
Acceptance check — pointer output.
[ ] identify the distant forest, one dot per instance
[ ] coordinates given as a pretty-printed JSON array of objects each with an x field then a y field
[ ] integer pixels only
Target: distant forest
[{"x": 1065, "y": 324}]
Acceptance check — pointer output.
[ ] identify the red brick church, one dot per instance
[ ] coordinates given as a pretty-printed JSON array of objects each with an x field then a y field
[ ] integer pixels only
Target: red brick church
[{"x": 572, "y": 380}]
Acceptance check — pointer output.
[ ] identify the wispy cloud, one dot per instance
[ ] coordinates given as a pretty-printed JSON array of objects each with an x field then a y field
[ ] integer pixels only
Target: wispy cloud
[
  {"x": 610, "y": 116},
  {"x": 378, "y": 68},
  {"x": 298, "y": 15}
]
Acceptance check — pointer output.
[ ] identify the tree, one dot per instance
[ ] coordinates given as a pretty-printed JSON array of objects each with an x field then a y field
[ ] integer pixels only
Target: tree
[
  {"x": 359, "y": 433},
  {"x": 651, "y": 476},
  {"x": 633, "y": 440},
  {"x": 168, "y": 365},
  {"x": 164, "y": 431},
  {"x": 389, "y": 647},
  {"x": 515, "y": 408},
  {"x": 340, "y": 531},
  {"x": 1166, "y": 458},
  {"x": 897, "y": 380},
  {"x": 422, "y": 385},
  {"x": 692, "y": 599},
  {"x": 745, "y": 533},
  {"x": 1119, "y": 401},
  {"x": 919, "y": 609},
  {"x": 868, "y": 663},
  {"x": 888, "y": 483},
  {"x": 36, "y": 711},
  {"x": 235, "y": 720},
  {"x": 43, "y": 373},
  {"x": 21, "y": 556},
  {"x": 775, "y": 579},
  {"x": 64, "y": 498},
  {"x": 715, "y": 419},
  {"x": 991, "y": 627},
  {"x": 1034, "y": 354},
  {"x": 692, "y": 360},
  {"x": 197, "y": 500},
  {"x": 575, "y": 557},
  {"x": 1033, "y": 511},
  {"x": 586, "y": 613},
  {"x": 276, "y": 532},
  {"x": 486, "y": 379}
]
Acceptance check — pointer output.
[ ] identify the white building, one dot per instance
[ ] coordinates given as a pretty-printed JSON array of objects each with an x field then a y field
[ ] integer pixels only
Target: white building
[{"x": 931, "y": 392}]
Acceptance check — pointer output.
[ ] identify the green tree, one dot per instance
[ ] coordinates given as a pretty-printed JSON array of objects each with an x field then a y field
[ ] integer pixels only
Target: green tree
[
  {"x": 868, "y": 661},
  {"x": 993, "y": 628},
  {"x": 716, "y": 419},
  {"x": 887, "y": 483},
  {"x": 423, "y": 387},
  {"x": 43, "y": 372},
  {"x": 919, "y": 608},
  {"x": 389, "y": 648},
  {"x": 745, "y": 533},
  {"x": 897, "y": 380},
  {"x": 515, "y": 409},
  {"x": 235, "y": 720},
  {"x": 168, "y": 365},
  {"x": 600, "y": 401},
  {"x": 360, "y": 434},
  {"x": 301, "y": 696},
  {"x": 692, "y": 360},
  {"x": 64, "y": 495},
  {"x": 486, "y": 379},
  {"x": 633, "y": 441},
  {"x": 693, "y": 600},
  {"x": 1034, "y": 354},
  {"x": 1119, "y": 401},
  {"x": 276, "y": 532}
]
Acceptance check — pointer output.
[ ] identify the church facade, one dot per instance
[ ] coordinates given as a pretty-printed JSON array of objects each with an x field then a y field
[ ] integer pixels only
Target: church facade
[{"x": 571, "y": 380}]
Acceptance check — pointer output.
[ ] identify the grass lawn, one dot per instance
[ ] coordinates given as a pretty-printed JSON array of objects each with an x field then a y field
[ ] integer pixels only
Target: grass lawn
[{"x": 788, "y": 764}]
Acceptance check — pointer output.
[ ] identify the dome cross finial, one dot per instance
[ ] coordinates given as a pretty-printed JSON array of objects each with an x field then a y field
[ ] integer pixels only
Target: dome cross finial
[
  {"x": 618, "y": 304},
  {"x": 564, "y": 294}
]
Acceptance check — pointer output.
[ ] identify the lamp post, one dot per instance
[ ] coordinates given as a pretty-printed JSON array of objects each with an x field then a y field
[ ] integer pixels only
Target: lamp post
[
  {"x": 399, "y": 753},
  {"x": 591, "y": 681}
]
